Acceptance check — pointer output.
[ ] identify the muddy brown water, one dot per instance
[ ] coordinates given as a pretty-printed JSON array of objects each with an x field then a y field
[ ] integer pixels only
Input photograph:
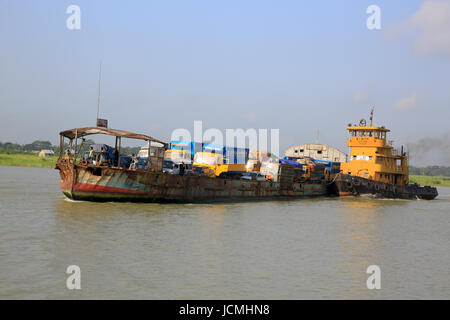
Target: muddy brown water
[{"x": 302, "y": 249}]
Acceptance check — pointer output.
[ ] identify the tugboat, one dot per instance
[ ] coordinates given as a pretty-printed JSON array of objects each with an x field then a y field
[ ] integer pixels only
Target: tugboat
[{"x": 375, "y": 168}]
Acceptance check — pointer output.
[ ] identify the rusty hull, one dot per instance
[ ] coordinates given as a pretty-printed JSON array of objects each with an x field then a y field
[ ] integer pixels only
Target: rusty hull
[
  {"x": 86, "y": 182},
  {"x": 347, "y": 185}
]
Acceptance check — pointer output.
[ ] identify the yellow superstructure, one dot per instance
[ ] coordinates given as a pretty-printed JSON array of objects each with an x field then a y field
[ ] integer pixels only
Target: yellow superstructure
[{"x": 373, "y": 157}]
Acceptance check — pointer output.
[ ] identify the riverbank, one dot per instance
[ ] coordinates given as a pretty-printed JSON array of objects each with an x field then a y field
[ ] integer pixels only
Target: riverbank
[
  {"x": 436, "y": 181},
  {"x": 26, "y": 160},
  {"x": 32, "y": 160}
]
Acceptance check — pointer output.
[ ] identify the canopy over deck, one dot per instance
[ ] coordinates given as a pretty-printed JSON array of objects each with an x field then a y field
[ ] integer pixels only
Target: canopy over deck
[{"x": 81, "y": 132}]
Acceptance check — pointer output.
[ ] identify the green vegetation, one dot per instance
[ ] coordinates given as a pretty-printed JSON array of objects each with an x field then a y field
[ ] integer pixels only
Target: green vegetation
[
  {"x": 130, "y": 150},
  {"x": 430, "y": 180},
  {"x": 22, "y": 159},
  {"x": 82, "y": 148},
  {"x": 430, "y": 176},
  {"x": 12, "y": 154},
  {"x": 430, "y": 171},
  {"x": 36, "y": 145}
]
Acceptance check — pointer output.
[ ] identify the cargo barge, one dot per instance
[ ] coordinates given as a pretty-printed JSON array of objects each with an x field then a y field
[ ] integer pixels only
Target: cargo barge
[
  {"x": 113, "y": 181},
  {"x": 375, "y": 168}
]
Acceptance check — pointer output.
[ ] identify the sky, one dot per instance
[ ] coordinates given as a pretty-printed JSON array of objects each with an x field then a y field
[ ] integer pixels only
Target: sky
[{"x": 307, "y": 68}]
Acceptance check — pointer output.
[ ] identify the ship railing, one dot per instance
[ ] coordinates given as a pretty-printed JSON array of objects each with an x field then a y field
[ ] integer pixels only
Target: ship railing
[{"x": 396, "y": 152}]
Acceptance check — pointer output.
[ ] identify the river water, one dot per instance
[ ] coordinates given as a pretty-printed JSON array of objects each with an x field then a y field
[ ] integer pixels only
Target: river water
[{"x": 302, "y": 249}]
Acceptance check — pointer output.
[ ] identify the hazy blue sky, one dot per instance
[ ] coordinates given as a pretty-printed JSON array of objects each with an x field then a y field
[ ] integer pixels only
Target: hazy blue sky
[{"x": 300, "y": 66}]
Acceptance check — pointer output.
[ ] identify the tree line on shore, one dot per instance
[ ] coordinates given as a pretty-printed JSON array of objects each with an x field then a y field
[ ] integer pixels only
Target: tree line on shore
[
  {"x": 38, "y": 145},
  {"x": 430, "y": 171}
]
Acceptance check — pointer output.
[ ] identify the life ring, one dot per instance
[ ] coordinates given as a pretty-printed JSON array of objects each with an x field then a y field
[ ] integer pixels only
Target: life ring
[
  {"x": 83, "y": 162},
  {"x": 356, "y": 182}
]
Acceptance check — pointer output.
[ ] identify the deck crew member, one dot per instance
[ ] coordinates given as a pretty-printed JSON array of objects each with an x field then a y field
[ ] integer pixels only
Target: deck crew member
[
  {"x": 103, "y": 157},
  {"x": 133, "y": 164},
  {"x": 67, "y": 155},
  {"x": 116, "y": 157},
  {"x": 91, "y": 155},
  {"x": 182, "y": 169}
]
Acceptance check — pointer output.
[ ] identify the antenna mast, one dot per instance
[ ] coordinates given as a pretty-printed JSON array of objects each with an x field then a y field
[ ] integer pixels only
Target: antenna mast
[
  {"x": 99, "y": 82},
  {"x": 100, "y": 122},
  {"x": 371, "y": 116}
]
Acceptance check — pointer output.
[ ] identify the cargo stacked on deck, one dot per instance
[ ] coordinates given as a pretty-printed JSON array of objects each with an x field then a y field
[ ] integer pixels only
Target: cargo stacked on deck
[
  {"x": 286, "y": 175},
  {"x": 313, "y": 169},
  {"x": 190, "y": 146},
  {"x": 233, "y": 154},
  {"x": 333, "y": 167}
]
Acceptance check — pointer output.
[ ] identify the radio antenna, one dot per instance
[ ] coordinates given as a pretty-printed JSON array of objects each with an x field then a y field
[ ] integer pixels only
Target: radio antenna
[
  {"x": 371, "y": 115},
  {"x": 99, "y": 83}
]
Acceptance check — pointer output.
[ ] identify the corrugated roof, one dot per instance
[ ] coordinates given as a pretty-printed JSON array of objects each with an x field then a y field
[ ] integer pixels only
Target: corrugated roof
[{"x": 81, "y": 132}]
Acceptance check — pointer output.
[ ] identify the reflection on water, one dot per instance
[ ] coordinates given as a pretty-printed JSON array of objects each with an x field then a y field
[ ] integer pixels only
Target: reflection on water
[
  {"x": 361, "y": 240},
  {"x": 311, "y": 248}
]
